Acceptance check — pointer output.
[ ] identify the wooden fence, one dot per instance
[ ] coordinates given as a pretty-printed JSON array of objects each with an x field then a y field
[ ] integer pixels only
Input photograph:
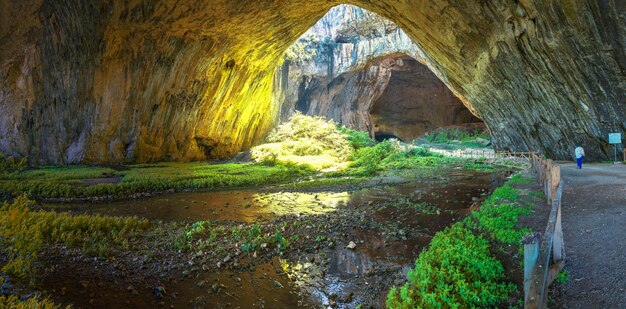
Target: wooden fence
[{"x": 544, "y": 254}]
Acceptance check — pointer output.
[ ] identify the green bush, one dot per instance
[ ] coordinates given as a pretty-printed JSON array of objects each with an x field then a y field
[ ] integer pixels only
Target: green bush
[
  {"x": 456, "y": 271},
  {"x": 305, "y": 140},
  {"x": 358, "y": 139},
  {"x": 369, "y": 159}
]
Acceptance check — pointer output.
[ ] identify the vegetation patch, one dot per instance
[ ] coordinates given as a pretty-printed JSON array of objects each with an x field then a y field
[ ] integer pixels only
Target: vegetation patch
[
  {"x": 458, "y": 269},
  {"x": 457, "y": 138},
  {"x": 14, "y": 302},
  {"x": 11, "y": 165},
  {"x": 305, "y": 140},
  {"x": 68, "y": 182},
  {"x": 23, "y": 233}
]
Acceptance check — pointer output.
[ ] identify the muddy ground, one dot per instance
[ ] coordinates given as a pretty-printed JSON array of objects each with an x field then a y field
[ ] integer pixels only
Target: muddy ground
[{"x": 345, "y": 247}]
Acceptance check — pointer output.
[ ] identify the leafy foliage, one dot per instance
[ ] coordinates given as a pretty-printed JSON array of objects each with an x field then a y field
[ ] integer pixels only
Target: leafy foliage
[
  {"x": 457, "y": 137},
  {"x": 302, "y": 50},
  {"x": 562, "y": 277},
  {"x": 358, "y": 139},
  {"x": 456, "y": 271},
  {"x": 14, "y": 302},
  {"x": 305, "y": 140},
  {"x": 369, "y": 159}
]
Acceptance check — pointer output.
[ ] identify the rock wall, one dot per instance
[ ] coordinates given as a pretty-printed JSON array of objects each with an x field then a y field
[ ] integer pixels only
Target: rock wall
[
  {"x": 415, "y": 102},
  {"x": 119, "y": 81}
]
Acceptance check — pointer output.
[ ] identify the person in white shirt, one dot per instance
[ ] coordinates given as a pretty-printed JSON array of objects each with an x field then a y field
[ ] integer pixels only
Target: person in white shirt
[{"x": 580, "y": 154}]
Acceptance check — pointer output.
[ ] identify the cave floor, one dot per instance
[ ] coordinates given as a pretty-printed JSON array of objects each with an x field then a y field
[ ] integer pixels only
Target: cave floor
[
  {"x": 594, "y": 216},
  {"x": 388, "y": 225}
]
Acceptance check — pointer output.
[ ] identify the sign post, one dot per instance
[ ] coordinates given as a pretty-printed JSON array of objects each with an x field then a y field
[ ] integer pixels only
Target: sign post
[{"x": 615, "y": 139}]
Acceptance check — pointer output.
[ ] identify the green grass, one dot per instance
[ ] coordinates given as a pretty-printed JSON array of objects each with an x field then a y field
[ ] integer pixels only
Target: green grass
[
  {"x": 562, "y": 277},
  {"x": 299, "y": 147},
  {"x": 518, "y": 178},
  {"x": 23, "y": 233},
  {"x": 458, "y": 269},
  {"x": 55, "y": 182}
]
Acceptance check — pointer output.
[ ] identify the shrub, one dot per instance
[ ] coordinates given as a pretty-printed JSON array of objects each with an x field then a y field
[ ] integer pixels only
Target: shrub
[
  {"x": 369, "y": 159},
  {"x": 305, "y": 140},
  {"x": 456, "y": 271},
  {"x": 358, "y": 139}
]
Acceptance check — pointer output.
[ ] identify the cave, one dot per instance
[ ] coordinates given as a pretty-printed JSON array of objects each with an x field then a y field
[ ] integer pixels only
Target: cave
[
  {"x": 362, "y": 71},
  {"x": 144, "y": 162},
  {"x": 416, "y": 102},
  {"x": 104, "y": 82}
]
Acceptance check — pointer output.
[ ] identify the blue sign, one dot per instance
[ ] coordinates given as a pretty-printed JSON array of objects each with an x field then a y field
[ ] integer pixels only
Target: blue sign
[{"x": 615, "y": 138}]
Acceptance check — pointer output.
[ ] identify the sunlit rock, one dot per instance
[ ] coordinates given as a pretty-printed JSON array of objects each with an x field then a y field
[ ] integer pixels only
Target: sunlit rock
[{"x": 116, "y": 81}]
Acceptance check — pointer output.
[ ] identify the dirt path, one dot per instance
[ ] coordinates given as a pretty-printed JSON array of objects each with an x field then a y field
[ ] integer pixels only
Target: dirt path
[{"x": 594, "y": 224}]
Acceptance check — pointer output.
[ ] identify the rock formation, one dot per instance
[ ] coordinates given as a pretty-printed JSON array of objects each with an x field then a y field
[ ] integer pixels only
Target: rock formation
[
  {"x": 414, "y": 102},
  {"x": 351, "y": 66},
  {"x": 139, "y": 80}
]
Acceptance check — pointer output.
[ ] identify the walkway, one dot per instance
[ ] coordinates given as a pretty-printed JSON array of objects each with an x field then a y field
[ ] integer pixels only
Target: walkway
[{"x": 594, "y": 226}]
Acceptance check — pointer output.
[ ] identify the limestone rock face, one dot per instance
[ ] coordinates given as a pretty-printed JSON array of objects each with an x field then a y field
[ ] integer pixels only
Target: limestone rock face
[
  {"x": 351, "y": 67},
  {"x": 120, "y": 81},
  {"x": 415, "y": 102}
]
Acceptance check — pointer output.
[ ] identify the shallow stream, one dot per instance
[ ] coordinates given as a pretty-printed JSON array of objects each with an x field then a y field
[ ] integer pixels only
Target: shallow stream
[{"x": 405, "y": 217}]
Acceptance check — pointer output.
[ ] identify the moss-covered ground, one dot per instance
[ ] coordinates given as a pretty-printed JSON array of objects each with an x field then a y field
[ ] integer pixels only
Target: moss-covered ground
[{"x": 305, "y": 146}]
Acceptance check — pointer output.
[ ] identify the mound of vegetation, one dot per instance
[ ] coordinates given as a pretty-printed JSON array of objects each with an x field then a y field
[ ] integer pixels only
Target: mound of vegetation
[{"x": 305, "y": 140}]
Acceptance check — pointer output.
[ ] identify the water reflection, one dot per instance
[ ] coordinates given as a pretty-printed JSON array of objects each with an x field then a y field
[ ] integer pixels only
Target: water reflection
[{"x": 250, "y": 205}]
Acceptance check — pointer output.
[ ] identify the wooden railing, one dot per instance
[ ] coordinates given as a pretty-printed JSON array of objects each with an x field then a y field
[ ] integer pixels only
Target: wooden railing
[
  {"x": 544, "y": 254},
  {"x": 481, "y": 153}
]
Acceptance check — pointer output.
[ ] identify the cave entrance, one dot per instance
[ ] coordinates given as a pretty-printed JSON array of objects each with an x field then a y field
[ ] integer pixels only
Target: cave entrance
[
  {"x": 364, "y": 72},
  {"x": 415, "y": 102}
]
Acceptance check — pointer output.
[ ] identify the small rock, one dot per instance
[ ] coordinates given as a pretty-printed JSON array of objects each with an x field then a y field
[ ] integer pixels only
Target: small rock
[
  {"x": 278, "y": 284},
  {"x": 351, "y": 245},
  {"x": 159, "y": 291}
]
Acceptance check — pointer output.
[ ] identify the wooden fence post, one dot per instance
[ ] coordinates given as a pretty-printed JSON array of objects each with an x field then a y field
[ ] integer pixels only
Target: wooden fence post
[
  {"x": 531, "y": 253},
  {"x": 558, "y": 249}
]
